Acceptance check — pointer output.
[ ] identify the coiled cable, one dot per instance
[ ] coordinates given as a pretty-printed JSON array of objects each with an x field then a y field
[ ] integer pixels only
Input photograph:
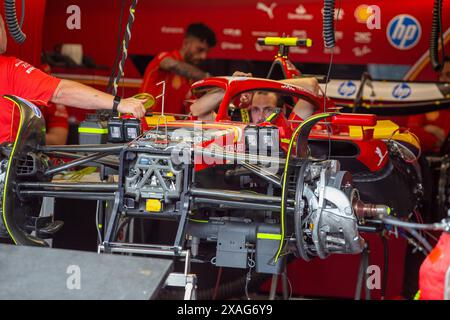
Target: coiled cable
[
  {"x": 328, "y": 23},
  {"x": 15, "y": 30},
  {"x": 436, "y": 32}
]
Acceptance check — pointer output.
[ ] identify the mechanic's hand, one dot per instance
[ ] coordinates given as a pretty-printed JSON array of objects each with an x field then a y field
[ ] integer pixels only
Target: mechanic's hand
[
  {"x": 439, "y": 133},
  {"x": 245, "y": 99},
  {"x": 241, "y": 74},
  {"x": 133, "y": 106}
]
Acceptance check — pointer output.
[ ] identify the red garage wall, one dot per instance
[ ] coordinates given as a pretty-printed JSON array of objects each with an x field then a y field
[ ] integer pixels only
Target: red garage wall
[
  {"x": 160, "y": 25},
  {"x": 30, "y": 50}
]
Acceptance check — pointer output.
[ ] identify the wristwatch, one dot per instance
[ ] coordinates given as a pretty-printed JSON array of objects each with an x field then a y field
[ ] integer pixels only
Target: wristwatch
[{"x": 116, "y": 103}]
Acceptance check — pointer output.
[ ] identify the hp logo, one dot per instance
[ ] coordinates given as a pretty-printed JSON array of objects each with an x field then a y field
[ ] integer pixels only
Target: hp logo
[
  {"x": 403, "y": 32},
  {"x": 401, "y": 91},
  {"x": 347, "y": 88}
]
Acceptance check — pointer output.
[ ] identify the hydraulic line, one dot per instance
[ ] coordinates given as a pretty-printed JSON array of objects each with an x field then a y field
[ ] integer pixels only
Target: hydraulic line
[
  {"x": 125, "y": 45},
  {"x": 436, "y": 33},
  {"x": 11, "y": 21},
  {"x": 328, "y": 23}
]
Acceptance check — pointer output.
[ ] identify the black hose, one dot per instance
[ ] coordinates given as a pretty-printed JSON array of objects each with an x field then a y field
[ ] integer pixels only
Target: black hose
[
  {"x": 436, "y": 32},
  {"x": 118, "y": 48},
  {"x": 328, "y": 23},
  {"x": 11, "y": 21}
]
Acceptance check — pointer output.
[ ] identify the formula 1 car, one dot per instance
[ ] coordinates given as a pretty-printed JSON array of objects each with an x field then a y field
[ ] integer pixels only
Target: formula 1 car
[{"x": 257, "y": 192}]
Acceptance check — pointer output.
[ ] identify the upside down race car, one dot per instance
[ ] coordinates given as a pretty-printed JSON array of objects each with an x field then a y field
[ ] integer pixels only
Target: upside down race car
[{"x": 257, "y": 192}]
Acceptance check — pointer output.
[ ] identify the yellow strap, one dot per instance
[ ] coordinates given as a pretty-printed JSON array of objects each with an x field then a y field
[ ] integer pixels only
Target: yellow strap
[
  {"x": 245, "y": 116},
  {"x": 268, "y": 236},
  {"x": 93, "y": 130}
]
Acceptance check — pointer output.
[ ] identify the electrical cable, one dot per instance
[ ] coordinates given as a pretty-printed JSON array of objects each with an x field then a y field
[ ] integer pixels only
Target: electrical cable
[
  {"x": 125, "y": 44},
  {"x": 14, "y": 28},
  {"x": 118, "y": 50},
  {"x": 436, "y": 33}
]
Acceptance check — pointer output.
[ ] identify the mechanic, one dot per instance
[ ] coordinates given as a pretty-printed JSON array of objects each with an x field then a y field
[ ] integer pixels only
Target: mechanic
[
  {"x": 21, "y": 79},
  {"x": 433, "y": 128},
  {"x": 56, "y": 119},
  {"x": 178, "y": 69},
  {"x": 262, "y": 103}
]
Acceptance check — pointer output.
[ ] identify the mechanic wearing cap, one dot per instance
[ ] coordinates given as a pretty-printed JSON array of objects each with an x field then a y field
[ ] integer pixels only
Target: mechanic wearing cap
[
  {"x": 178, "y": 69},
  {"x": 21, "y": 79},
  {"x": 261, "y": 104}
]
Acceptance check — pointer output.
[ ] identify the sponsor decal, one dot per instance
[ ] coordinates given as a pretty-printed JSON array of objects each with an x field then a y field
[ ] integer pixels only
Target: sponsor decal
[
  {"x": 33, "y": 107},
  {"x": 172, "y": 30},
  {"x": 267, "y": 9},
  {"x": 335, "y": 50},
  {"x": 264, "y": 34},
  {"x": 232, "y": 32},
  {"x": 347, "y": 88},
  {"x": 370, "y": 15},
  {"x": 361, "y": 51},
  {"x": 363, "y": 37},
  {"x": 302, "y": 34},
  {"x": 300, "y": 14},
  {"x": 403, "y": 32},
  {"x": 401, "y": 91},
  {"x": 231, "y": 46},
  {"x": 380, "y": 155}
]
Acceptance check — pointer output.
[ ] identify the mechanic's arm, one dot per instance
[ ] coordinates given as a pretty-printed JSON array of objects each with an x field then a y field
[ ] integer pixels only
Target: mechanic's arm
[
  {"x": 74, "y": 94},
  {"x": 56, "y": 136},
  {"x": 204, "y": 107},
  {"x": 183, "y": 69},
  {"x": 303, "y": 108},
  {"x": 309, "y": 83}
]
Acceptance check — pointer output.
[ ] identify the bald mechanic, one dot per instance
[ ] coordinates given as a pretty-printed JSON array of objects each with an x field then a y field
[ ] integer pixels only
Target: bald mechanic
[{"x": 21, "y": 79}]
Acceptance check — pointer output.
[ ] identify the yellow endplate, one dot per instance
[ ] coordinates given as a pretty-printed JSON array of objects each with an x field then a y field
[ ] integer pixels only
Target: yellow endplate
[
  {"x": 154, "y": 119},
  {"x": 384, "y": 130},
  {"x": 153, "y": 205}
]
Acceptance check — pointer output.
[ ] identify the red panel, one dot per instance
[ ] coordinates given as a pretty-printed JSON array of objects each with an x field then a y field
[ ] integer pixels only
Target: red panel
[
  {"x": 355, "y": 119},
  {"x": 159, "y": 27},
  {"x": 30, "y": 50}
]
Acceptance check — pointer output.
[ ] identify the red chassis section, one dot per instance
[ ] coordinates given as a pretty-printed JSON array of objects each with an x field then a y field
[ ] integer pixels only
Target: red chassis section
[{"x": 370, "y": 149}]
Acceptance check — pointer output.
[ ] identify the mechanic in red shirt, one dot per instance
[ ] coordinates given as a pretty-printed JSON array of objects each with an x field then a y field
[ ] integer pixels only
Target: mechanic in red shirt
[
  {"x": 56, "y": 119},
  {"x": 56, "y": 123},
  {"x": 433, "y": 128},
  {"x": 178, "y": 69},
  {"x": 21, "y": 79}
]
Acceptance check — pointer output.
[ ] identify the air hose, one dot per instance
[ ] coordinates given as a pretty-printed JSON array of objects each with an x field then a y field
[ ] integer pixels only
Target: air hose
[
  {"x": 11, "y": 21},
  {"x": 436, "y": 32},
  {"x": 328, "y": 23},
  {"x": 125, "y": 44}
]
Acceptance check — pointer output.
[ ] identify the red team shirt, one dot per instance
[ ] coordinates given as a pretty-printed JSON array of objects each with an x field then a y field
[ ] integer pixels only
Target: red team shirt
[
  {"x": 21, "y": 79},
  {"x": 177, "y": 87},
  {"x": 55, "y": 116},
  {"x": 440, "y": 119}
]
